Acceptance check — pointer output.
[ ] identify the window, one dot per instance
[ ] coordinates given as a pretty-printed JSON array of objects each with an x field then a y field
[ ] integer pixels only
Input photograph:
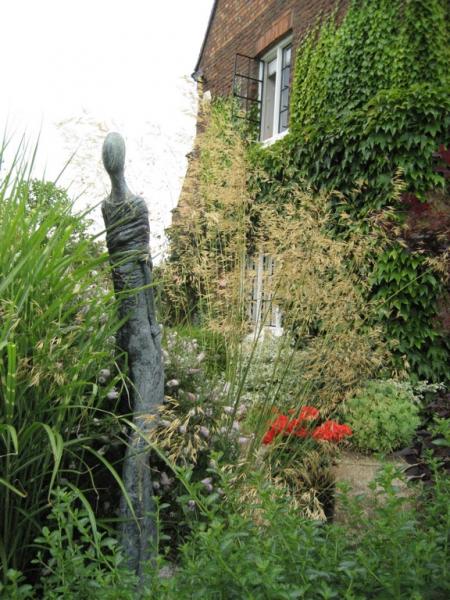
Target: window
[
  {"x": 261, "y": 309},
  {"x": 261, "y": 89},
  {"x": 275, "y": 73}
]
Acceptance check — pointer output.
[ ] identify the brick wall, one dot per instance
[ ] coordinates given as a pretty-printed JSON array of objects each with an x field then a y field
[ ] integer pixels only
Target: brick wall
[{"x": 250, "y": 27}]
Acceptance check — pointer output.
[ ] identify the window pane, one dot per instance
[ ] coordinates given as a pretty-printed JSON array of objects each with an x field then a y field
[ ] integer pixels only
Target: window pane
[
  {"x": 268, "y": 103},
  {"x": 275, "y": 97},
  {"x": 272, "y": 67},
  {"x": 287, "y": 56},
  {"x": 284, "y": 121},
  {"x": 284, "y": 105},
  {"x": 285, "y": 76}
]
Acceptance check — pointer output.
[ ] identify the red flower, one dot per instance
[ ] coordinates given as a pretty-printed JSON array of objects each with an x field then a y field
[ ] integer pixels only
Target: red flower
[
  {"x": 308, "y": 413},
  {"x": 332, "y": 431},
  {"x": 286, "y": 426},
  {"x": 280, "y": 424},
  {"x": 268, "y": 437},
  {"x": 301, "y": 432},
  {"x": 295, "y": 427}
]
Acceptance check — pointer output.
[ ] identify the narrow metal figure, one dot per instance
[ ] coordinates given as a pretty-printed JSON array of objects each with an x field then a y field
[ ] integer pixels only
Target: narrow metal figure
[{"x": 127, "y": 238}]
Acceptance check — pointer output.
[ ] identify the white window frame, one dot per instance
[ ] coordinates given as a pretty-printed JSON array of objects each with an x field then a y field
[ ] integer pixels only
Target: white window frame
[
  {"x": 274, "y": 53},
  {"x": 268, "y": 322}
]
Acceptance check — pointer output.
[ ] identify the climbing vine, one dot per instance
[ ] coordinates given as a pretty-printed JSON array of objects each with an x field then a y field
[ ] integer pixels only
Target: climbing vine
[
  {"x": 369, "y": 131},
  {"x": 370, "y": 101}
]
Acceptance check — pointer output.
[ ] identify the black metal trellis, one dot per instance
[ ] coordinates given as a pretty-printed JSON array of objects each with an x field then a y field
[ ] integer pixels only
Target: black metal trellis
[{"x": 248, "y": 90}]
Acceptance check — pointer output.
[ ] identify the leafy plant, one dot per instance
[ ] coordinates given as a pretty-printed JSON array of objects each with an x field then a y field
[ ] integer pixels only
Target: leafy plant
[
  {"x": 77, "y": 560},
  {"x": 407, "y": 290},
  {"x": 383, "y": 415},
  {"x": 15, "y": 587},
  {"x": 266, "y": 549},
  {"x": 370, "y": 100},
  {"x": 57, "y": 329}
]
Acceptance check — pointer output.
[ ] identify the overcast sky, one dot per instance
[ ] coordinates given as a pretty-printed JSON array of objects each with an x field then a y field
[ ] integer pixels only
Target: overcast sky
[{"x": 76, "y": 69}]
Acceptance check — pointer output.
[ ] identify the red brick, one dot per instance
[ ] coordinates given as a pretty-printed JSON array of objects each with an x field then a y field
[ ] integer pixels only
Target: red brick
[{"x": 250, "y": 27}]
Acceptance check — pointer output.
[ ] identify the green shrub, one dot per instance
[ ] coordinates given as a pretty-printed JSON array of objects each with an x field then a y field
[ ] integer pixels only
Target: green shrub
[
  {"x": 383, "y": 416},
  {"x": 77, "y": 560},
  {"x": 14, "y": 586},
  {"x": 267, "y": 550}
]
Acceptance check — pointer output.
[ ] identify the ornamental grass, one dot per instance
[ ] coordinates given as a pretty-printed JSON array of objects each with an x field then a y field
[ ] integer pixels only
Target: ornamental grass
[{"x": 56, "y": 335}]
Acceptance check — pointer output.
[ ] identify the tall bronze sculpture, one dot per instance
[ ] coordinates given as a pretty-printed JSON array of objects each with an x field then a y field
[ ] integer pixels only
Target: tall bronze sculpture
[{"x": 127, "y": 238}]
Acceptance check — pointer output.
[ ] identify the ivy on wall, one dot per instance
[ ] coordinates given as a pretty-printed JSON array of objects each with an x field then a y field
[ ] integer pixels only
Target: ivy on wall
[{"x": 370, "y": 100}]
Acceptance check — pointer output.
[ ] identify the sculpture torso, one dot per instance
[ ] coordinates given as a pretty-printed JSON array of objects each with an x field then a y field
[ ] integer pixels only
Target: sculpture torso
[
  {"x": 127, "y": 227},
  {"x": 127, "y": 238}
]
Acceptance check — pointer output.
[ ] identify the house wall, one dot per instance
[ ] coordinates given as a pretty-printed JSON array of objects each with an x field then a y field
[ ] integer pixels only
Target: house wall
[{"x": 250, "y": 27}]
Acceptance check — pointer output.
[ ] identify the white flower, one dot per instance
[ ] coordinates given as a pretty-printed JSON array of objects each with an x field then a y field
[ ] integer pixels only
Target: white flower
[
  {"x": 228, "y": 410},
  {"x": 165, "y": 480},
  {"x": 182, "y": 429},
  {"x": 242, "y": 409},
  {"x": 207, "y": 484},
  {"x": 204, "y": 432},
  {"x": 173, "y": 383},
  {"x": 201, "y": 357},
  {"x": 112, "y": 394}
]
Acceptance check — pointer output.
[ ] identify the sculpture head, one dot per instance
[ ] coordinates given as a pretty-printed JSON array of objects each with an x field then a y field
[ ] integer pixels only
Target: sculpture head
[{"x": 113, "y": 154}]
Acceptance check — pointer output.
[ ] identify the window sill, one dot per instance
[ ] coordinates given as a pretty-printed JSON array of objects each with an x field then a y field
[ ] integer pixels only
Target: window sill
[{"x": 273, "y": 139}]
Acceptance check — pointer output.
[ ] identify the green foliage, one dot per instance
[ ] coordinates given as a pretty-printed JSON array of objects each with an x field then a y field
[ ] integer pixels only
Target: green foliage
[
  {"x": 380, "y": 45},
  {"x": 395, "y": 129},
  {"x": 407, "y": 290},
  {"x": 77, "y": 560},
  {"x": 56, "y": 335},
  {"x": 14, "y": 587},
  {"x": 370, "y": 100},
  {"x": 441, "y": 429},
  {"x": 270, "y": 551},
  {"x": 383, "y": 416}
]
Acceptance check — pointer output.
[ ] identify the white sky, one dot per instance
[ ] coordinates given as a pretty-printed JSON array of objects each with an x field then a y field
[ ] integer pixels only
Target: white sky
[{"x": 76, "y": 69}]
